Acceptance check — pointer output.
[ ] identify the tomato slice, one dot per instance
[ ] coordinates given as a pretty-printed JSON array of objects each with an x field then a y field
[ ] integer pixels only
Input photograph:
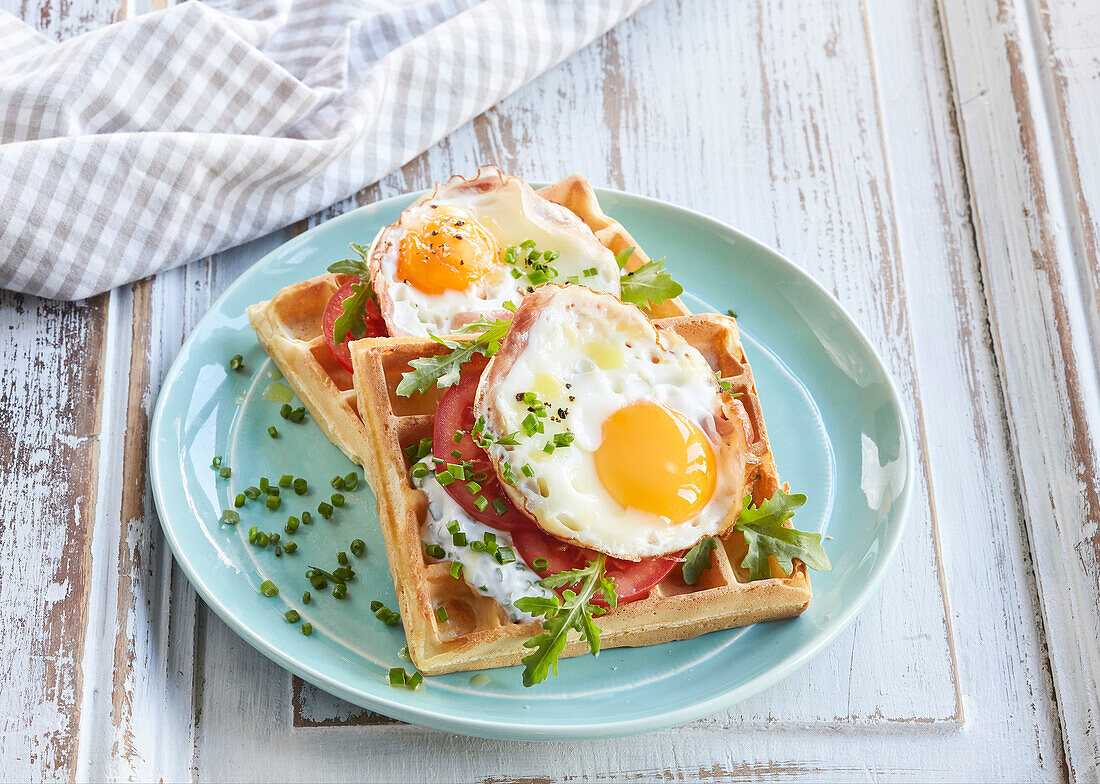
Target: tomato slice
[
  {"x": 455, "y": 413},
  {"x": 633, "y": 579},
  {"x": 376, "y": 327}
]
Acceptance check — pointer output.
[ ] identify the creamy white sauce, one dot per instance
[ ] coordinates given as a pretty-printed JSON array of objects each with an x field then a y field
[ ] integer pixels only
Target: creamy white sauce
[{"x": 505, "y": 583}]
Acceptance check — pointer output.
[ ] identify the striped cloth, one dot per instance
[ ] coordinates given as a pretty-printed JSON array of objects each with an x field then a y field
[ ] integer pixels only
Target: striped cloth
[{"x": 168, "y": 137}]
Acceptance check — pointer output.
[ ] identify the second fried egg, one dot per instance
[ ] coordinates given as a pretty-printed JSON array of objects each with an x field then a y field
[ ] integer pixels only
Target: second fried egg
[{"x": 624, "y": 441}]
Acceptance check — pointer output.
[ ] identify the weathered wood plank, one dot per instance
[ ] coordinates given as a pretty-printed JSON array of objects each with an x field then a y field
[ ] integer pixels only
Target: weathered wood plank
[{"x": 1035, "y": 238}]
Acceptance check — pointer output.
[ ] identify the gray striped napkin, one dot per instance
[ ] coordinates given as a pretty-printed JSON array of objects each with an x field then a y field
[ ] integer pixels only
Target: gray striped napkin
[{"x": 168, "y": 137}]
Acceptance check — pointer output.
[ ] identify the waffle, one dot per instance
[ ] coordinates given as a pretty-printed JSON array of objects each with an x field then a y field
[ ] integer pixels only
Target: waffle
[
  {"x": 289, "y": 327},
  {"x": 478, "y": 633}
]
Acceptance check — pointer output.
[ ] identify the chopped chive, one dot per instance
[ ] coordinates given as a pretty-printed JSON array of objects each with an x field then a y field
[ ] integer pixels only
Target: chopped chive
[
  {"x": 452, "y": 527},
  {"x": 235, "y": 362},
  {"x": 285, "y": 409},
  {"x": 216, "y": 462},
  {"x": 414, "y": 681},
  {"x": 225, "y": 472},
  {"x": 419, "y": 471},
  {"x": 273, "y": 490},
  {"x": 269, "y": 589},
  {"x": 290, "y": 547},
  {"x": 273, "y": 432},
  {"x": 480, "y": 503},
  {"x": 563, "y": 439},
  {"x": 239, "y": 501},
  {"x": 265, "y": 485},
  {"x": 540, "y": 564},
  {"x": 337, "y": 482},
  {"x": 456, "y": 470},
  {"x": 292, "y": 616},
  {"x": 351, "y": 481},
  {"x": 291, "y": 524},
  {"x": 230, "y": 516},
  {"x": 515, "y": 273},
  {"x": 490, "y": 543},
  {"x": 325, "y": 510},
  {"x": 306, "y": 597},
  {"x": 286, "y": 480},
  {"x": 527, "y": 470},
  {"x": 473, "y": 487},
  {"x": 397, "y": 676},
  {"x": 342, "y": 558},
  {"x": 477, "y": 546},
  {"x": 573, "y": 279},
  {"x": 591, "y": 271},
  {"x": 337, "y": 499},
  {"x": 499, "y": 506},
  {"x": 274, "y": 537},
  {"x": 297, "y": 415},
  {"x": 252, "y": 533},
  {"x": 439, "y": 461},
  {"x": 504, "y": 555},
  {"x": 531, "y": 425},
  {"x": 307, "y": 518},
  {"x": 444, "y": 477},
  {"x": 318, "y": 581},
  {"x": 278, "y": 551},
  {"x": 358, "y": 547},
  {"x": 273, "y": 502},
  {"x": 435, "y": 551},
  {"x": 550, "y": 255},
  {"x": 457, "y": 436},
  {"x": 459, "y": 539},
  {"x": 456, "y": 569},
  {"x": 730, "y": 312},
  {"x": 307, "y": 628},
  {"x": 339, "y": 591},
  {"x": 300, "y": 486},
  {"x": 252, "y": 492},
  {"x": 549, "y": 447},
  {"x": 262, "y": 539},
  {"x": 456, "y": 453},
  {"x": 374, "y": 605},
  {"x": 441, "y": 614}
]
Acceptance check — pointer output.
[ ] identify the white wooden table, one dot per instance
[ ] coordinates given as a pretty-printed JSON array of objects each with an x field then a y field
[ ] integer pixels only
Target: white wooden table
[{"x": 935, "y": 165}]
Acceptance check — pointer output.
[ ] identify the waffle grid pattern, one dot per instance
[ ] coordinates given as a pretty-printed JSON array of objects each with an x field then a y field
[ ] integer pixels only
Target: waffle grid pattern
[{"x": 478, "y": 634}]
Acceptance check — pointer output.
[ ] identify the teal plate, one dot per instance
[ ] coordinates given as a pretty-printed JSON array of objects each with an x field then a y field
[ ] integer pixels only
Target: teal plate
[{"x": 836, "y": 425}]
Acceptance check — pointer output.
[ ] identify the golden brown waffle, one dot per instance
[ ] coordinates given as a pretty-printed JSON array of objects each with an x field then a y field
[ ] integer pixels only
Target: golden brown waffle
[
  {"x": 478, "y": 633},
  {"x": 289, "y": 327}
]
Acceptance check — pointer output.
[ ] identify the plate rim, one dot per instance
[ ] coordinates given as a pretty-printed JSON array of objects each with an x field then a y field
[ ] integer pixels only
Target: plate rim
[{"x": 478, "y": 727}]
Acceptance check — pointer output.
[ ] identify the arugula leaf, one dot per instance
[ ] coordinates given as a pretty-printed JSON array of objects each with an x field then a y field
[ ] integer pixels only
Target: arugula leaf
[
  {"x": 766, "y": 535},
  {"x": 445, "y": 370},
  {"x": 357, "y": 267},
  {"x": 352, "y": 319},
  {"x": 572, "y": 612},
  {"x": 649, "y": 285},
  {"x": 698, "y": 559}
]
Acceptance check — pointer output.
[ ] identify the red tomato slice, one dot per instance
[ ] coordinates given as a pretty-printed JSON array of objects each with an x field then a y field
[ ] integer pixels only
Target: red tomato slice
[
  {"x": 376, "y": 327},
  {"x": 633, "y": 579},
  {"x": 455, "y": 413}
]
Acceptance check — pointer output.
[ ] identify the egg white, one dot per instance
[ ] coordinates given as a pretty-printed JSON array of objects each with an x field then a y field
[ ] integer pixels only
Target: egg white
[
  {"x": 511, "y": 212},
  {"x": 604, "y": 355}
]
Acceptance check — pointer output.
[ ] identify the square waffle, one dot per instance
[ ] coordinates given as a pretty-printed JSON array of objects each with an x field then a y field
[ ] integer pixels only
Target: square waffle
[
  {"x": 478, "y": 634},
  {"x": 289, "y": 327}
]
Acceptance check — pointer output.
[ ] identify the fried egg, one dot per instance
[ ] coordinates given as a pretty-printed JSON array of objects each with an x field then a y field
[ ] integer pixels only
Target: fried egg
[
  {"x": 446, "y": 261},
  {"x": 624, "y": 441}
]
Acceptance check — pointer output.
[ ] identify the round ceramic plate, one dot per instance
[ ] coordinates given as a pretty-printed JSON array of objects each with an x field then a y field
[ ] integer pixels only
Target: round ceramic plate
[{"x": 836, "y": 426}]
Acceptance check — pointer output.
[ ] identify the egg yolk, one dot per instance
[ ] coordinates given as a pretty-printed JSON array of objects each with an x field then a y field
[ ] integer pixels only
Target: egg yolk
[
  {"x": 447, "y": 253},
  {"x": 654, "y": 459}
]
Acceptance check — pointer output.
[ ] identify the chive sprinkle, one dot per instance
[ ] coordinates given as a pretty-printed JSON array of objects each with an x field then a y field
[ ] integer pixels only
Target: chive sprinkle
[
  {"x": 351, "y": 481},
  {"x": 375, "y": 604},
  {"x": 591, "y": 271},
  {"x": 337, "y": 499},
  {"x": 292, "y": 616},
  {"x": 457, "y": 436},
  {"x": 273, "y": 490},
  {"x": 358, "y": 547},
  {"x": 230, "y": 516},
  {"x": 291, "y": 524},
  {"x": 397, "y": 676},
  {"x": 337, "y": 483},
  {"x": 262, "y": 539},
  {"x": 307, "y": 628},
  {"x": 269, "y": 589},
  {"x": 414, "y": 681},
  {"x": 307, "y": 518},
  {"x": 216, "y": 462},
  {"x": 435, "y": 551},
  {"x": 290, "y": 547},
  {"x": 325, "y": 510},
  {"x": 540, "y": 564},
  {"x": 285, "y": 409},
  {"x": 526, "y": 470},
  {"x": 306, "y": 597},
  {"x": 441, "y": 614},
  {"x": 252, "y": 492},
  {"x": 342, "y": 558},
  {"x": 225, "y": 472},
  {"x": 459, "y": 539},
  {"x": 273, "y": 432},
  {"x": 286, "y": 480},
  {"x": 265, "y": 485},
  {"x": 339, "y": 591},
  {"x": 481, "y": 503},
  {"x": 235, "y": 362},
  {"x": 239, "y": 501},
  {"x": 456, "y": 569},
  {"x": 273, "y": 502},
  {"x": 499, "y": 506}
]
